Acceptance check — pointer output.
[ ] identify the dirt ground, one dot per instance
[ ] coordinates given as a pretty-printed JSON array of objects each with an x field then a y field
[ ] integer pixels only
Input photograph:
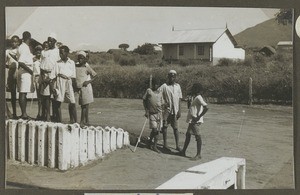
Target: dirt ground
[{"x": 265, "y": 141}]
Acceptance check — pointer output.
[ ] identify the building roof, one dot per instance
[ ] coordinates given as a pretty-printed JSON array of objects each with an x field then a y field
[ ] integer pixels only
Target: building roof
[
  {"x": 197, "y": 36},
  {"x": 287, "y": 43}
]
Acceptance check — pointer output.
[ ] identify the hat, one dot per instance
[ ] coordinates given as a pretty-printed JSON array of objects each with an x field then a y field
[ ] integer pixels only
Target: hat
[
  {"x": 172, "y": 72},
  {"x": 81, "y": 53},
  {"x": 53, "y": 35}
]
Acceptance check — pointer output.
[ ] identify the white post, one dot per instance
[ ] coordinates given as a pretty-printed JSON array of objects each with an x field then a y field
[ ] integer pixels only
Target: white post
[
  {"x": 113, "y": 139},
  {"x": 12, "y": 128},
  {"x": 83, "y": 145},
  {"x": 52, "y": 155},
  {"x": 74, "y": 145},
  {"x": 41, "y": 144},
  {"x": 126, "y": 139},
  {"x": 120, "y": 134},
  {"x": 106, "y": 140},
  {"x": 241, "y": 177},
  {"x": 91, "y": 143},
  {"x": 21, "y": 140},
  {"x": 64, "y": 148},
  {"x": 31, "y": 141},
  {"x": 98, "y": 141}
]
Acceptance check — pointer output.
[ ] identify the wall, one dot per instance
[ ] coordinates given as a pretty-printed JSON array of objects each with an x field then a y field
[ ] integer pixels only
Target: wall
[{"x": 224, "y": 48}]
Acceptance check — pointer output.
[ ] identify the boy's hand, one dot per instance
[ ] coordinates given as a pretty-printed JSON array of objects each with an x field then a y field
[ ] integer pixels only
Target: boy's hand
[
  {"x": 146, "y": 114},
  {"x": 85, "y": 83},
  {"x": 178, "y": 115},
  {"x": 63, "y": 76}
]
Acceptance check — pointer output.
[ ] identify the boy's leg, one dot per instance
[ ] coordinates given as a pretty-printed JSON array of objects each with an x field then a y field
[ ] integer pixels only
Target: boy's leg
[
  {"x": 186, "y": 144},
  {"x": 87, "y": 120},
  {"x": 83, "y": 111},
  {"x": 57, "y": 110},
  {"x": 72, "y": 113},
  {"x": 47, "y": 108},
  {"x": 164, "y": 132},
  {"x": 174, "y": 124},
  {"x": 7, "y": 113},
  {"x": 13, "y": 94},
  {"x": 155, "y": 134},
  {"x": 23, "y": 104},
  {"x": 199, "y": 144}
]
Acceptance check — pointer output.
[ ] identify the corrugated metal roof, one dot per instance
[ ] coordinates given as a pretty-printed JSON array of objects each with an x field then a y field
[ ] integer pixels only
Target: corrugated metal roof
[{"x": 194, "y": 36}]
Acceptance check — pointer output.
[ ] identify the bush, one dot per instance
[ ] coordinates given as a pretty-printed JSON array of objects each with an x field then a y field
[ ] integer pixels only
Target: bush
[{"x": 127, "y": 61}]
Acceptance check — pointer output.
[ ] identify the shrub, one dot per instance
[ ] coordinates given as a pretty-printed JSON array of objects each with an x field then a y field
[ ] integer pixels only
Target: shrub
[{"x": 127, "y": 61}]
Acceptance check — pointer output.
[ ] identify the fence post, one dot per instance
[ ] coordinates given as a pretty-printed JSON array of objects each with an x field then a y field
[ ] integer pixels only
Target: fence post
[{"x": 250, "y": 91}]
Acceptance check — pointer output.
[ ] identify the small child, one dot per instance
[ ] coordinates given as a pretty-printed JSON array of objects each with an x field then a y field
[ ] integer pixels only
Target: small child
[
  {"x": 12, "y": 65},
  {"x": 36, "y": 72},
  {"x": 197, "y": 110},
  {"x": 61, "y": 81},
  {"x": 85, "y": 75},
  {"x": 152, "y": 101}
]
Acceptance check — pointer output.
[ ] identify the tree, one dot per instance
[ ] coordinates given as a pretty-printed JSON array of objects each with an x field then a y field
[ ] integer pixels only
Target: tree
[
  {"x": 124, "y": 46},
  {"x": 145, "y": 49},
  {"x": 284, "y": 16}
]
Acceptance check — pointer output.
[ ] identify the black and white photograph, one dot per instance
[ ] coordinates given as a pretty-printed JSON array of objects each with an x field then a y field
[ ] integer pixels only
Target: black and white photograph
[{"x": 149, "y": 98}]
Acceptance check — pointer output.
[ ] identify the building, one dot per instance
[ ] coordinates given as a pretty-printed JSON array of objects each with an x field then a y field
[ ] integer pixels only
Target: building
[
  {"x": 201, "y": 45},
  {"x": 284, "y": 46}
]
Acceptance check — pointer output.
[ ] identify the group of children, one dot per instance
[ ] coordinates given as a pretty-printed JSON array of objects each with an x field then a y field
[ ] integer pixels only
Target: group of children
[
  {"x": 160, "y": 103},
  {"x": 57, "y": 79},
  {"x": 49, "y": 71}
]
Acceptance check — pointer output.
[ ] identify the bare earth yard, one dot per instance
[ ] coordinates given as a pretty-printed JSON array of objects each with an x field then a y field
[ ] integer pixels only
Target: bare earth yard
[{"x": 266, "y": 142}]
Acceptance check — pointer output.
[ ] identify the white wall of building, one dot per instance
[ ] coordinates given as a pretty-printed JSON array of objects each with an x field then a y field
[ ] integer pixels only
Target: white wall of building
[{"x": 224, "y": 48}]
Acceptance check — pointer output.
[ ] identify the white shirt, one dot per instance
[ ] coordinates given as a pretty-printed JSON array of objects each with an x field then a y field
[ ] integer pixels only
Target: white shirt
[
  {"x": 196, "y": 109},
  {"x": 49, "y": 58},
  {"x": 171, "y": 96},
  {"x": 24, "y": 55},
  {"x": 66, "y": 68}
]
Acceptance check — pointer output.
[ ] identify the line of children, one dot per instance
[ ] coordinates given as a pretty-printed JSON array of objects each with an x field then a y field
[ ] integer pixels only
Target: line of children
[{"x": 51, "y": 73}]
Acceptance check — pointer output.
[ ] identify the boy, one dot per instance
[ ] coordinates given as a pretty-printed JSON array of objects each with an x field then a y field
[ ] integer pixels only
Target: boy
[
  {"x": 197, "y": 110},
  {"x": 171, "y": 92},
  {"x": 152, "y": 101},
  {"x": 49, "y": 57},
  {"x": 25, "y": 72},
  {"x": 85, "y": 75},
  {"x": 61, "y": 79},
  {"x": 12, "y": 65},
  {"x": 36, "y": 72}
]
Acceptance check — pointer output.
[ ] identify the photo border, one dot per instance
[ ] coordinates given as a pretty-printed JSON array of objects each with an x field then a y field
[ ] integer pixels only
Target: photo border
[{"x": 295, "y": 4}]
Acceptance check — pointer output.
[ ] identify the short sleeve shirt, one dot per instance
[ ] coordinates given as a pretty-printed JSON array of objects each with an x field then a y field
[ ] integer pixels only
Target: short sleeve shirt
[
  {"x": 171, "y": 97},
  {"x": 49, "y": 58},
  {"x": 154, "y": 101},
  {"x": 24, "y": 55},
  {"x": 8, "y": 56},
  {"x": 84, "y": 73},
  {"x": 196, "y": 109},
  {"x": 66, "y": 68}
]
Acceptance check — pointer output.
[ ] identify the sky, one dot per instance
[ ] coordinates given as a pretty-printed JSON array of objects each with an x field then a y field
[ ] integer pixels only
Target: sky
[{"x": 100, "y": 28}]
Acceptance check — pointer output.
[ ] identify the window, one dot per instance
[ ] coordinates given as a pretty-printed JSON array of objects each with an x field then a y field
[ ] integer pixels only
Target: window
[
  {"x": 200, "y": 50},
  {"x": 181, "y": 50}
]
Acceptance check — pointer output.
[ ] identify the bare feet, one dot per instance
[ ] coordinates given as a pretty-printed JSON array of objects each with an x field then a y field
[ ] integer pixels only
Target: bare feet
[{"x": 197, "y": 157}]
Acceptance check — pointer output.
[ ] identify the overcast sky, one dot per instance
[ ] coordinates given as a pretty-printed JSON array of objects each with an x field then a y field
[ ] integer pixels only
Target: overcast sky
[{"x": 100, "y": 28}]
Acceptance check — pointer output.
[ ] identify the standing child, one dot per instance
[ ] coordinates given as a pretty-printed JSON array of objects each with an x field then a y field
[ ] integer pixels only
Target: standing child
[
  {"x": 50, "y": 55},
  {"x": 85, "y": 75},
  {"x": 195, "y": 115},
  {"x": 61, "y": 80},
  {"x": 152, "y": 101},
  {"x": 36, "y": 72},
  {"x": 12, "y": 65}
]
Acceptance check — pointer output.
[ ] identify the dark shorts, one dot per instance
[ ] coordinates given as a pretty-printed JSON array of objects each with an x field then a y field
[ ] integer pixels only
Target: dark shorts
[
  {"x": 170, "y": 119},
  {"x": 194, "y": 129}
]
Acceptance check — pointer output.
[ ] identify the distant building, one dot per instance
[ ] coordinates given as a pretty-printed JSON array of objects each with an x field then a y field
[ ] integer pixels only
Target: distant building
[
  {"x": 284, "y": 46},
  {"x": 267, "y": 51},
  {"x": 201, "y": 45}
]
